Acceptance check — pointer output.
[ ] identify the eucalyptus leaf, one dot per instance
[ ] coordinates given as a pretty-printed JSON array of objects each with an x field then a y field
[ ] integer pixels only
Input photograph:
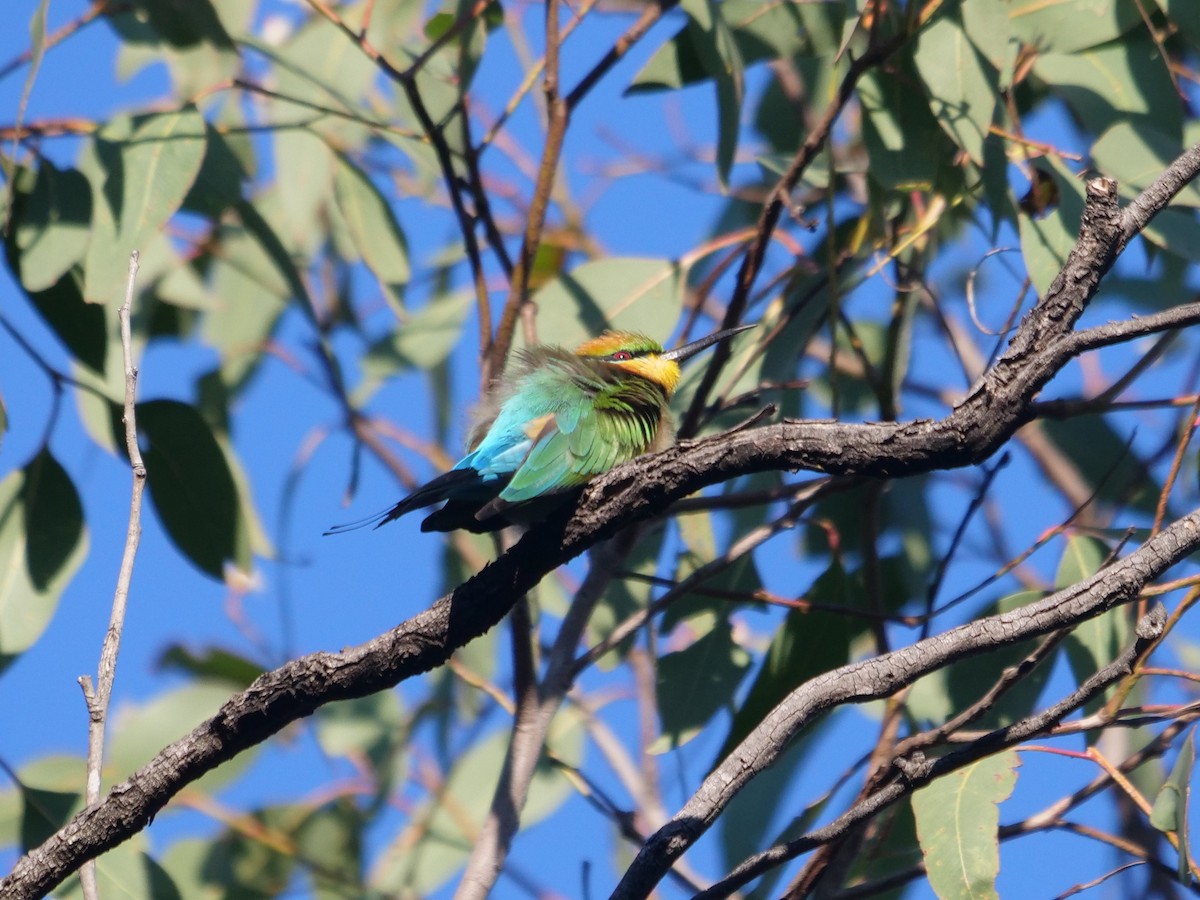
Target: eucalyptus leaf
[
  {"x": 146, "y": 176},
  {"x": 190, "y": 483},
  {"x": 957, "y": 821},
  {"x": 42, "y": 544},
  {"x": 642, "y": 295}
]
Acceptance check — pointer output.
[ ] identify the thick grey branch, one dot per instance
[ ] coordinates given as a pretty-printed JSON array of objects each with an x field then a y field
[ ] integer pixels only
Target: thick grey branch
[{"x": 917, "y": 771}]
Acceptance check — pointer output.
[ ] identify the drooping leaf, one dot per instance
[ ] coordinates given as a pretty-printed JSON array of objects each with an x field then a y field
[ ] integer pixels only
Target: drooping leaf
[
  {"x": 42, "y": 544},
  {"x": 190, "y": 37},
  {"x": 1170, "y": 811},
  {"x": 371, "y": 222},
  {"x": 442, "y": 831},
  {"x": 140, "y": 730},
  {"x": 218, "y": 184},
  {"x": 761, "y": 29},
  {"x": 369, "y": 727},
  {"x": 947, "y": 691},
  {"x": 53, "y": 226},
  {"x": 962, "y": 86},
  {"x": 718, "y": 52},
  {"x": 1047, "y": 239},
  {"x": 806, "y": 643},
  {"x": 190, "y": 483},
  {"x": 958, "y": 817},
  {"x": 1106, "y": 461},
  {"x": 1136, "y": 155},
  {"x": 1123, "y": 82},
  {"x": 696, "y": 683},
  {"x": 211, "y": 664}
]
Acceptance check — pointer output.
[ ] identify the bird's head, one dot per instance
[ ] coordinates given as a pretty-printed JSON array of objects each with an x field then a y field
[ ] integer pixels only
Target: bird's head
[{"x": 645, "y": 357}]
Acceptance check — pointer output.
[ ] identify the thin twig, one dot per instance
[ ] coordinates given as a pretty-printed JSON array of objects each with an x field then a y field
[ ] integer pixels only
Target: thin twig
[{"x": 97, "y": 699}]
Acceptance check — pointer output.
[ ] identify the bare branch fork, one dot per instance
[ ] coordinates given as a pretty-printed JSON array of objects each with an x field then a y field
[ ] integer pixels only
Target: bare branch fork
[{"x": 998, "y": 405}]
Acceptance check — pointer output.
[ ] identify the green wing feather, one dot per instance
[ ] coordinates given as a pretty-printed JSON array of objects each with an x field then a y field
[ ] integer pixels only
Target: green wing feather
[{"x": 599, "y": 431}]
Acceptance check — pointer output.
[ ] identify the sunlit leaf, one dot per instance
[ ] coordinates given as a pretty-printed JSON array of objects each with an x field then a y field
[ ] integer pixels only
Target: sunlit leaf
[
  {"x": 1066, "y": 26},
  {"x": 624, "y": 294},
  {"x": 957, "y": 820},
  {"x": 1136, "y": 155},
  {"x": 1119, "y": 83},
  {"x": 53, "y": 226},
  {"x": 961, "y": 85},
  {"x": 373, "y": 226},
  {"x": 146, "y": 175}
]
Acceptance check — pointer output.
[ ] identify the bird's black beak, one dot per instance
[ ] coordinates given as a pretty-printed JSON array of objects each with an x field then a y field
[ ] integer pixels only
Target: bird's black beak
[{"x": 687, "y": 351}]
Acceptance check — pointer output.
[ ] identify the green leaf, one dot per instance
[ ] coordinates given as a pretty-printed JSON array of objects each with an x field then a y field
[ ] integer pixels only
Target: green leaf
[
  {"x": 988, "y": 27},
  {"x": 46, "y": 793},
  {"x": 42, "y": 544},
  {"x": 1067, "y": 26},
  {"x": 904, "y": 142},
  {"x": 696, "y": 683},
  {"x": 422, "y": 342},
  {"x": 147, "y": 174},
  {"x": 330, "y": 841},
  {"x": 53, "y": 520},
  {"x": 52, "y": 226},
  {"x": 239, "y": 863},
  {"x": 189, "y": 37},
  {"x": 127, "y": 871},
  {"x": 718, "y": 52},
  {"x": 368, "y": 727},
  {"x": 806, "y": 643},
  {"x": 1106, "y": 461},
  {"x": 1097, "y": 642},
  {"x": 962, "y": 87},
  {"x": 957, "y": 819},
  {"x": 218, "y": 184},
  {"x": 1170, "y": 811},
  {"x": 626, "y": 294},
  {"x": 191, "y": 484},
  {"x": 1136, "y": 155},
  {"x": 761, "y": 29},
  {"x": 1124, "y": 82},
  {"x": 1178, "y": 232},
  {"x": 210, "y": 664},
  {"x": 371, "y": 223}
]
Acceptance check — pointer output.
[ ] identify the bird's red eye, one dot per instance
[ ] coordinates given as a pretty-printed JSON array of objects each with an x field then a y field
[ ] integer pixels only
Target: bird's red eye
[{"x": 621, "y": 356}]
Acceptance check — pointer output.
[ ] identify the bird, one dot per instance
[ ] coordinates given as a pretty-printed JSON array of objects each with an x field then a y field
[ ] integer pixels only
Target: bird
[{"x": 558, "y": 420}]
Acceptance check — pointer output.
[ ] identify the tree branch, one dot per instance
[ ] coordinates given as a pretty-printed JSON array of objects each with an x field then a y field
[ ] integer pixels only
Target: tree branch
[{"x": 887, "y": 674}]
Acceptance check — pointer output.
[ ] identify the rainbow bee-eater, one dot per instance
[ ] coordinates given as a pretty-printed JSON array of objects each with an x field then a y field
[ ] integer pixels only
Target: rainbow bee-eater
[{"x": 558, "y": 419}]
